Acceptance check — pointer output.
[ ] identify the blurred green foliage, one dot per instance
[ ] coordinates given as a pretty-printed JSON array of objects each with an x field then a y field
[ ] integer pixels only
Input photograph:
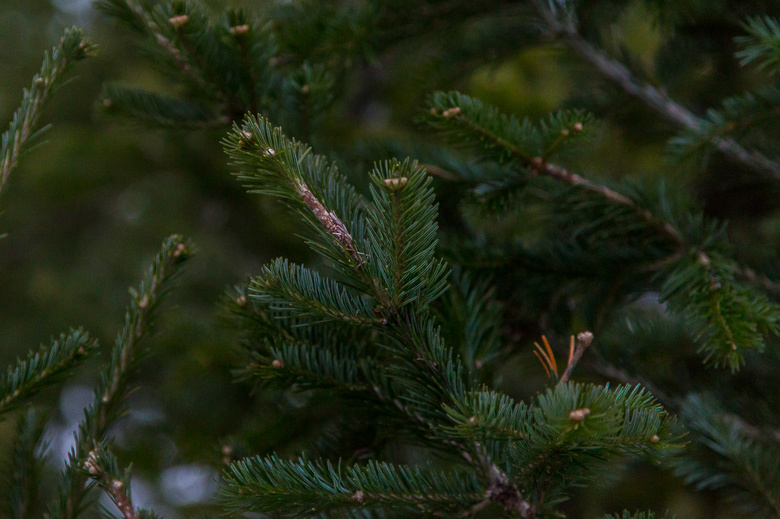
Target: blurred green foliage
[{"x": 86, "y": 211}]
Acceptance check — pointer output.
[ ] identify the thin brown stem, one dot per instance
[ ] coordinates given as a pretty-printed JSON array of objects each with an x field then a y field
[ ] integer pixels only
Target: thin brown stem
[{"x": 584, "y": 340}]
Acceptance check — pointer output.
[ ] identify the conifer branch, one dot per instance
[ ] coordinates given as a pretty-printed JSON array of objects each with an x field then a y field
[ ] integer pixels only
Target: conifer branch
[
  {"x": 103, "y": 469},
  {"x": 101, "y": 466},
  {"x": 285, "y": 168},
  {"x": 72, "y": 47},
  {"x": 19, "y": 491},
  {"x": 762, "y": 44},
  {"x": 699, "y": 282},
  {"x": 137, "y": 17},
  {"x": 651, "y": 96},
  {"x": 43, "y": 368},
  {"x": 500, "y": 133},
  {"x": 269, "y": 484},
  {"x": 722, "y": 457},
  {"x": 293, "y": 288},
  {"x": 113, "y": 387}
]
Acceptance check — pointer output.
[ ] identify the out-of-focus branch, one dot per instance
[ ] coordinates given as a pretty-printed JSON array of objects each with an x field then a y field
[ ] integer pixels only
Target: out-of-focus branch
[{"x": 651, "y": 96}]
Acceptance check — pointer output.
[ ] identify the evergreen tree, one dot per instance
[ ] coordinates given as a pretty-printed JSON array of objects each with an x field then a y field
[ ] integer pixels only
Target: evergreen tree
[{"x": 440, "y": 274}]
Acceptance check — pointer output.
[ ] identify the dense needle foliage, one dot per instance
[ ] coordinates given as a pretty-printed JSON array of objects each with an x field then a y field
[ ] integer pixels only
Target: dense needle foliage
[{"x": 489, "y": 321}]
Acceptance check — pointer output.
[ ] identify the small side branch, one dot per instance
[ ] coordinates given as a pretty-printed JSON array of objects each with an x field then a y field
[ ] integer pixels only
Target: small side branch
[{"x": 71, "y": 48}]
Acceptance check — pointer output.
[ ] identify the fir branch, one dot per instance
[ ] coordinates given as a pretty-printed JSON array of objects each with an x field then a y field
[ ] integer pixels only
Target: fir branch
[
  {"x": 286, "y": 169},
  {"x": 19, "y": 497},
  {"x": 651, "y": 96},
  {"x": 305, "y": 95},
  {"x": 743, "y": 116},
  {"x": 465, "y": 119},
  {"x": 292, "y": 288},
  {"x": 43, "y": 368},
  {"x": 742, "y": 317},
  {"x": 137, "y": 16},
  {"x": 102, "y": 467},
  {"x": 72, "y": 47},
  {"x": 762, "y": 43},
  {"x": 722, "y": 457},
  {"x": 471, "y": 320},
  {"x": 729, "y": 317},
  {"x": 310, "y": 367},
  {"x": 401, "y": 236},
  {"x": 113, "y": 386},
  {"x": 399, "y": 270},
  {"x": 571, "y": 421},
  {"x": 156, "y": 110},
  {"x": 270, "y": 484}
]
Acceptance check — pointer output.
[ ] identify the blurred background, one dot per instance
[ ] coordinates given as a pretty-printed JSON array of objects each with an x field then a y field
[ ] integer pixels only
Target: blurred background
[{"x": 87, "y": 210}]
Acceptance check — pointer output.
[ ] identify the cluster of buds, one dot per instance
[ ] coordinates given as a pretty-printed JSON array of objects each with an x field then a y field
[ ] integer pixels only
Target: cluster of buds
[
  {"x": 396, "y": 184},
  {"x": 579, "y": 415},
  {"x": 239, "y": 30},
  {"x": 449, "y": 113}
]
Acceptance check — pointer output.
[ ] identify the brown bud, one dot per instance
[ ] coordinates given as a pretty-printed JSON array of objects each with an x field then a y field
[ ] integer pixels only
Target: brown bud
[
  {"x": 585, "y": 338},
  {"x": 241, "y": 300},
  {"x": 565, "y": 132},
  {"x": 396, "y": 184},
  {"x": 537, "y": 162},
  {"x": 578, "y": 415},
  {"x": 107, "y": 103},
  {"x": 179, "y": 21},
  {"x": 305, "y": 89},
  {"x": 278, "y": 364},
  {"x": 358, "y": 496},
  {"x": 655, "y": 439},
  {"x": 238, "y": 30},
  {"x": 577, "y": 127},
  {"x": 451, "y": 112}
]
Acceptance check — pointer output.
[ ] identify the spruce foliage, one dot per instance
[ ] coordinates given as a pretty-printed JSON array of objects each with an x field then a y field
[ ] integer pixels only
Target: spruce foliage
[{"x": 432, "y": 276}]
